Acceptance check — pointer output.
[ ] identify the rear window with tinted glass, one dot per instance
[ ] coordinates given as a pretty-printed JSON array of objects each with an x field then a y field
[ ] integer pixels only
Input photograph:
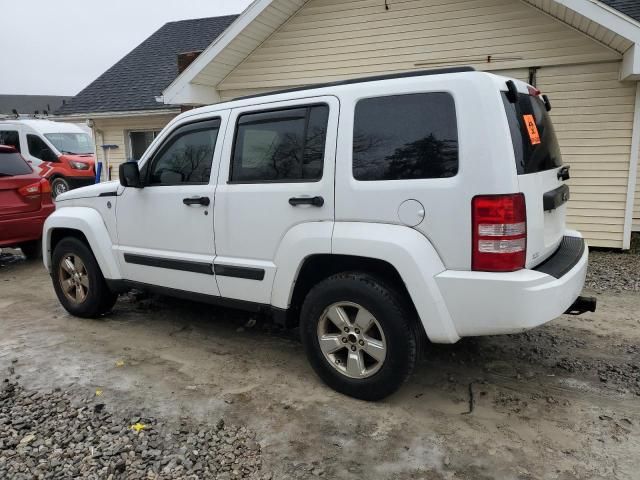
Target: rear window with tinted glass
[
  {"x": 13, "y": 164},
  {"x": 534, "y": 139},
  {"x": 405, "y": 137}
]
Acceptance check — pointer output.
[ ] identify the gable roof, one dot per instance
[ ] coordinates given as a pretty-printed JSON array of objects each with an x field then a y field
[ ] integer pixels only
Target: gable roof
[
  {"x": 198, "y": 83},
  {"x": 630, "y": 8},
  {"x": 27, "y": 104},
  {"x": 136, "y": 80}
]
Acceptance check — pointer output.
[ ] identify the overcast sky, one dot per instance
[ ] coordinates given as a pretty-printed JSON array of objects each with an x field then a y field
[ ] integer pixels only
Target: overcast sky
[{"x": 58, "y": 47}]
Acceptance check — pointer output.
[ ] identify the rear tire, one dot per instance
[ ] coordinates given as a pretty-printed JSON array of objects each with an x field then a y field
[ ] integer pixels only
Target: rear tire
[
  {"x": 78, "y": 281},
  {"x": 370, "y": 362},
  {"x": 59, "y": 185},
  {"x": 32, "y": 250}
]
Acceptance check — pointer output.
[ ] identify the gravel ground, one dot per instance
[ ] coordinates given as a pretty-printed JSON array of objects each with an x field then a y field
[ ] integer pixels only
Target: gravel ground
[
  {"x": 55, "y": 435},
  {"x": 558, "y": 402},
  {"x": 613, "y": 272}
]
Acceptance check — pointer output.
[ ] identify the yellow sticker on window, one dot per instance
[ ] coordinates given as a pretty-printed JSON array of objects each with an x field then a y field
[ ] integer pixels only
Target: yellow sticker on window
[{"x": 532, "y": 128}]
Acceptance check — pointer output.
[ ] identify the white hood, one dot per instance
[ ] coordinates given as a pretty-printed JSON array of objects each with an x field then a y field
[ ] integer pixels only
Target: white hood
[{"x": 90, "y": 191}]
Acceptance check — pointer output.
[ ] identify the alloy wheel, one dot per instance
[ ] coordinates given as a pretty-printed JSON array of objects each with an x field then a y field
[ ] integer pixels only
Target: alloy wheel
[
  {"x": 351, "y": 340},
  {"x": 73, "y": 278}
]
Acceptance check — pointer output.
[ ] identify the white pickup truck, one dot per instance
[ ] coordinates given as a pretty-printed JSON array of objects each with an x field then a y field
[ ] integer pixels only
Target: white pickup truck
[{"x": 373, "y": 212}]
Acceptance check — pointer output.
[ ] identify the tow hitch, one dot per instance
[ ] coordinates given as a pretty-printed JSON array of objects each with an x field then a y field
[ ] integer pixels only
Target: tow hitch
[{"x": 581, "y": 305}]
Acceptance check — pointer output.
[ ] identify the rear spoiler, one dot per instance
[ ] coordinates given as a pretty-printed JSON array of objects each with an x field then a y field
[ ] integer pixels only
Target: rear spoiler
[{"x": 512, "y": 95}]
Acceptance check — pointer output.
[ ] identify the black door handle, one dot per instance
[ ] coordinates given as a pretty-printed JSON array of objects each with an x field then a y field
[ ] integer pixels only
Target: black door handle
[
  {"x": 196, "y": 201},
  {"x": 315, "y": 201}
]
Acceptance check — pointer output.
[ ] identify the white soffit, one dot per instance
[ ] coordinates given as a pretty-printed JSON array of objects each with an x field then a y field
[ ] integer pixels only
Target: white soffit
[{"x": 596, "y": 30}]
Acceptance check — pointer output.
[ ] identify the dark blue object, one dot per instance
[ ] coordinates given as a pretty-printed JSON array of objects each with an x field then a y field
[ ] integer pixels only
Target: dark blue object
[{"x": 98, "y": 171}]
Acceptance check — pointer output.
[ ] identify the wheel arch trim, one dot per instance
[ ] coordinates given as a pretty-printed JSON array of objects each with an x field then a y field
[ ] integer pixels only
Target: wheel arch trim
[
  {"x": 90, "y": 223},
  {"x": 414, "y": 258},
  {"x": 408, "y": 251}
]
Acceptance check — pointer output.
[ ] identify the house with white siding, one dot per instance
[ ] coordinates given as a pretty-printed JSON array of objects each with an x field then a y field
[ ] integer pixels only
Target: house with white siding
[
  {"x": 121, "y": 106},
  {"x": 584, "y": 54}
]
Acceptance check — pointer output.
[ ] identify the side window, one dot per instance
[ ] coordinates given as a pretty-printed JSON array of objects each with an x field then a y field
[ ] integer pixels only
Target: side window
[
  {"x": 10, "y": 137},
  {"x": 404, "y": 137},
  {"x": 39, "y": 149},
  {"x": 280, "y": 145},
  {"x": 187, "y": 155}
]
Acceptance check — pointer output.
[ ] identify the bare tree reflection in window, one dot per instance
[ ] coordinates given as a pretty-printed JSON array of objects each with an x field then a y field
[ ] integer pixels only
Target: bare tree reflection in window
[{"x": 425, "y": 158}]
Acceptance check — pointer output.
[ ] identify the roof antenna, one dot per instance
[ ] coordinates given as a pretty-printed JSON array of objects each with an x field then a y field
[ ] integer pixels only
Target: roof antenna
[{"x": 386, "y": 5}]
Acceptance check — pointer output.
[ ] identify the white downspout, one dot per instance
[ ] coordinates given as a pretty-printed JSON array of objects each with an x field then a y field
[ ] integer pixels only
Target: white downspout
[{"x": 633, "y": 173}]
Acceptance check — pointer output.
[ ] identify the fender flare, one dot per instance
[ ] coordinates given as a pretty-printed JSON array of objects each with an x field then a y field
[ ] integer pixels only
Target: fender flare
[
  {"x": 415, "y": 259},
  {"x": 407, "y": 250},
  {"x": 300, "y": 242},
  {"x": 90, "y": 223}
]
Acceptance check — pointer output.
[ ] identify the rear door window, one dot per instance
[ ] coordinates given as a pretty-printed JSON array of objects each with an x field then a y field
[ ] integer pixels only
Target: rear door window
[
  {"x": 284, "y": 145},
  {"x": 405, "y": 137},
  {"x": 534, "y": 139},
  {"x": 13, "y": 164}
]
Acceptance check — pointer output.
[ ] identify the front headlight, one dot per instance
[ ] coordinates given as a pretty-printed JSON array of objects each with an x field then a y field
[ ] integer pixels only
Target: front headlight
[{"x": 79, "y": 165}]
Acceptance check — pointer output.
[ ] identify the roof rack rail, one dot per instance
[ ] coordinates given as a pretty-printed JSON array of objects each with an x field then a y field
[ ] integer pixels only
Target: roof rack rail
[{"x": 419, "y": 73}]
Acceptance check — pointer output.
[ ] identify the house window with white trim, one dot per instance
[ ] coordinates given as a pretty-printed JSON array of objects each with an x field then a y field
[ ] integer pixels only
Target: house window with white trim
[{"x": 139, "y": 141}]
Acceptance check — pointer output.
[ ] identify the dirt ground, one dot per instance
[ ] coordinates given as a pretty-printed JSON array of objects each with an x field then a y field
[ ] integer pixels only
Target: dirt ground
[{"x": 559, "y": 402}]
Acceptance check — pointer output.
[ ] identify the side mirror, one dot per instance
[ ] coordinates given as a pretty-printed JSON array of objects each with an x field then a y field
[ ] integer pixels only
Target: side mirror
[{"x": 130, "y": 175}]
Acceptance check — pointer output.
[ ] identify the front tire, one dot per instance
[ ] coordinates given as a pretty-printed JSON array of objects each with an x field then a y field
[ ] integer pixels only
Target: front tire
[
  {"x": 59, "y": 185},
  {"x": 359, "y": 335},
  {"x": 78, "y": 281}
]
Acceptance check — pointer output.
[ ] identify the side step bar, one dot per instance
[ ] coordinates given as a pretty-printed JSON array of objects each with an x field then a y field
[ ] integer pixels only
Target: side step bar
[{"x": 582, "y": 305}]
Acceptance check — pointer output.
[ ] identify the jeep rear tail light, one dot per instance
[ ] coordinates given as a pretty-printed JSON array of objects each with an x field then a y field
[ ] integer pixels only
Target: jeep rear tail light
[{"x": 499, "y": 233}]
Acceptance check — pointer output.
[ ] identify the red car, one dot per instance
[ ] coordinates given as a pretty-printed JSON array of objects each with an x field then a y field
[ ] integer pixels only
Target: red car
[{"x": 25, "y": 203}]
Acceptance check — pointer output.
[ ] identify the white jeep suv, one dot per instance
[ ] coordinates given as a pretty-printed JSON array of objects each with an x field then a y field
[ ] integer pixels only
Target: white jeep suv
[{"x": 370, "y": 212}]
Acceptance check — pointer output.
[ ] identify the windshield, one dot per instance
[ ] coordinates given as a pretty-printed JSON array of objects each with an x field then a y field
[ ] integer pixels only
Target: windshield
[{"x": 71, "y": 143}]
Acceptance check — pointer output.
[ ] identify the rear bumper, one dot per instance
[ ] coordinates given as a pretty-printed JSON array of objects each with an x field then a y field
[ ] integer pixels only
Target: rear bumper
[
  {"x": 19, "y": 230},
  {"x": 485, "y": 303}
]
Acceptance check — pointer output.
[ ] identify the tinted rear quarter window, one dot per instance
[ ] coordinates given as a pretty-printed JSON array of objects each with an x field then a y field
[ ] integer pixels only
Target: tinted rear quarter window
[
  {"x": 404, "y": 137},
  {"x": 533, "y": 153},
  {"x": 13, "y": 164}
]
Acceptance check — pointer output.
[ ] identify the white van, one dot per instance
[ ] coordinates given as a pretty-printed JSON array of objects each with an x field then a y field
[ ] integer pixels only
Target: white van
[
  {"x": 370, "y": 212},
  {"x": 63, "y": 152}
]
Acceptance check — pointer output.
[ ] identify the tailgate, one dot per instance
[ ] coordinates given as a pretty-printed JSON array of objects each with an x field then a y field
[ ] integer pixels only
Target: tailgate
[
  {"x": 545, "y": 227},
  {"x": 541, "y": 175}
]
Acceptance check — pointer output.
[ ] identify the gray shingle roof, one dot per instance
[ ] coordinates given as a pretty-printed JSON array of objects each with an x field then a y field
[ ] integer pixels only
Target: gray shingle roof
[
  {"x": 630, "y": 8},
  {"x": 134, "y": 82},
  {"x": 27, "y": 104}
]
